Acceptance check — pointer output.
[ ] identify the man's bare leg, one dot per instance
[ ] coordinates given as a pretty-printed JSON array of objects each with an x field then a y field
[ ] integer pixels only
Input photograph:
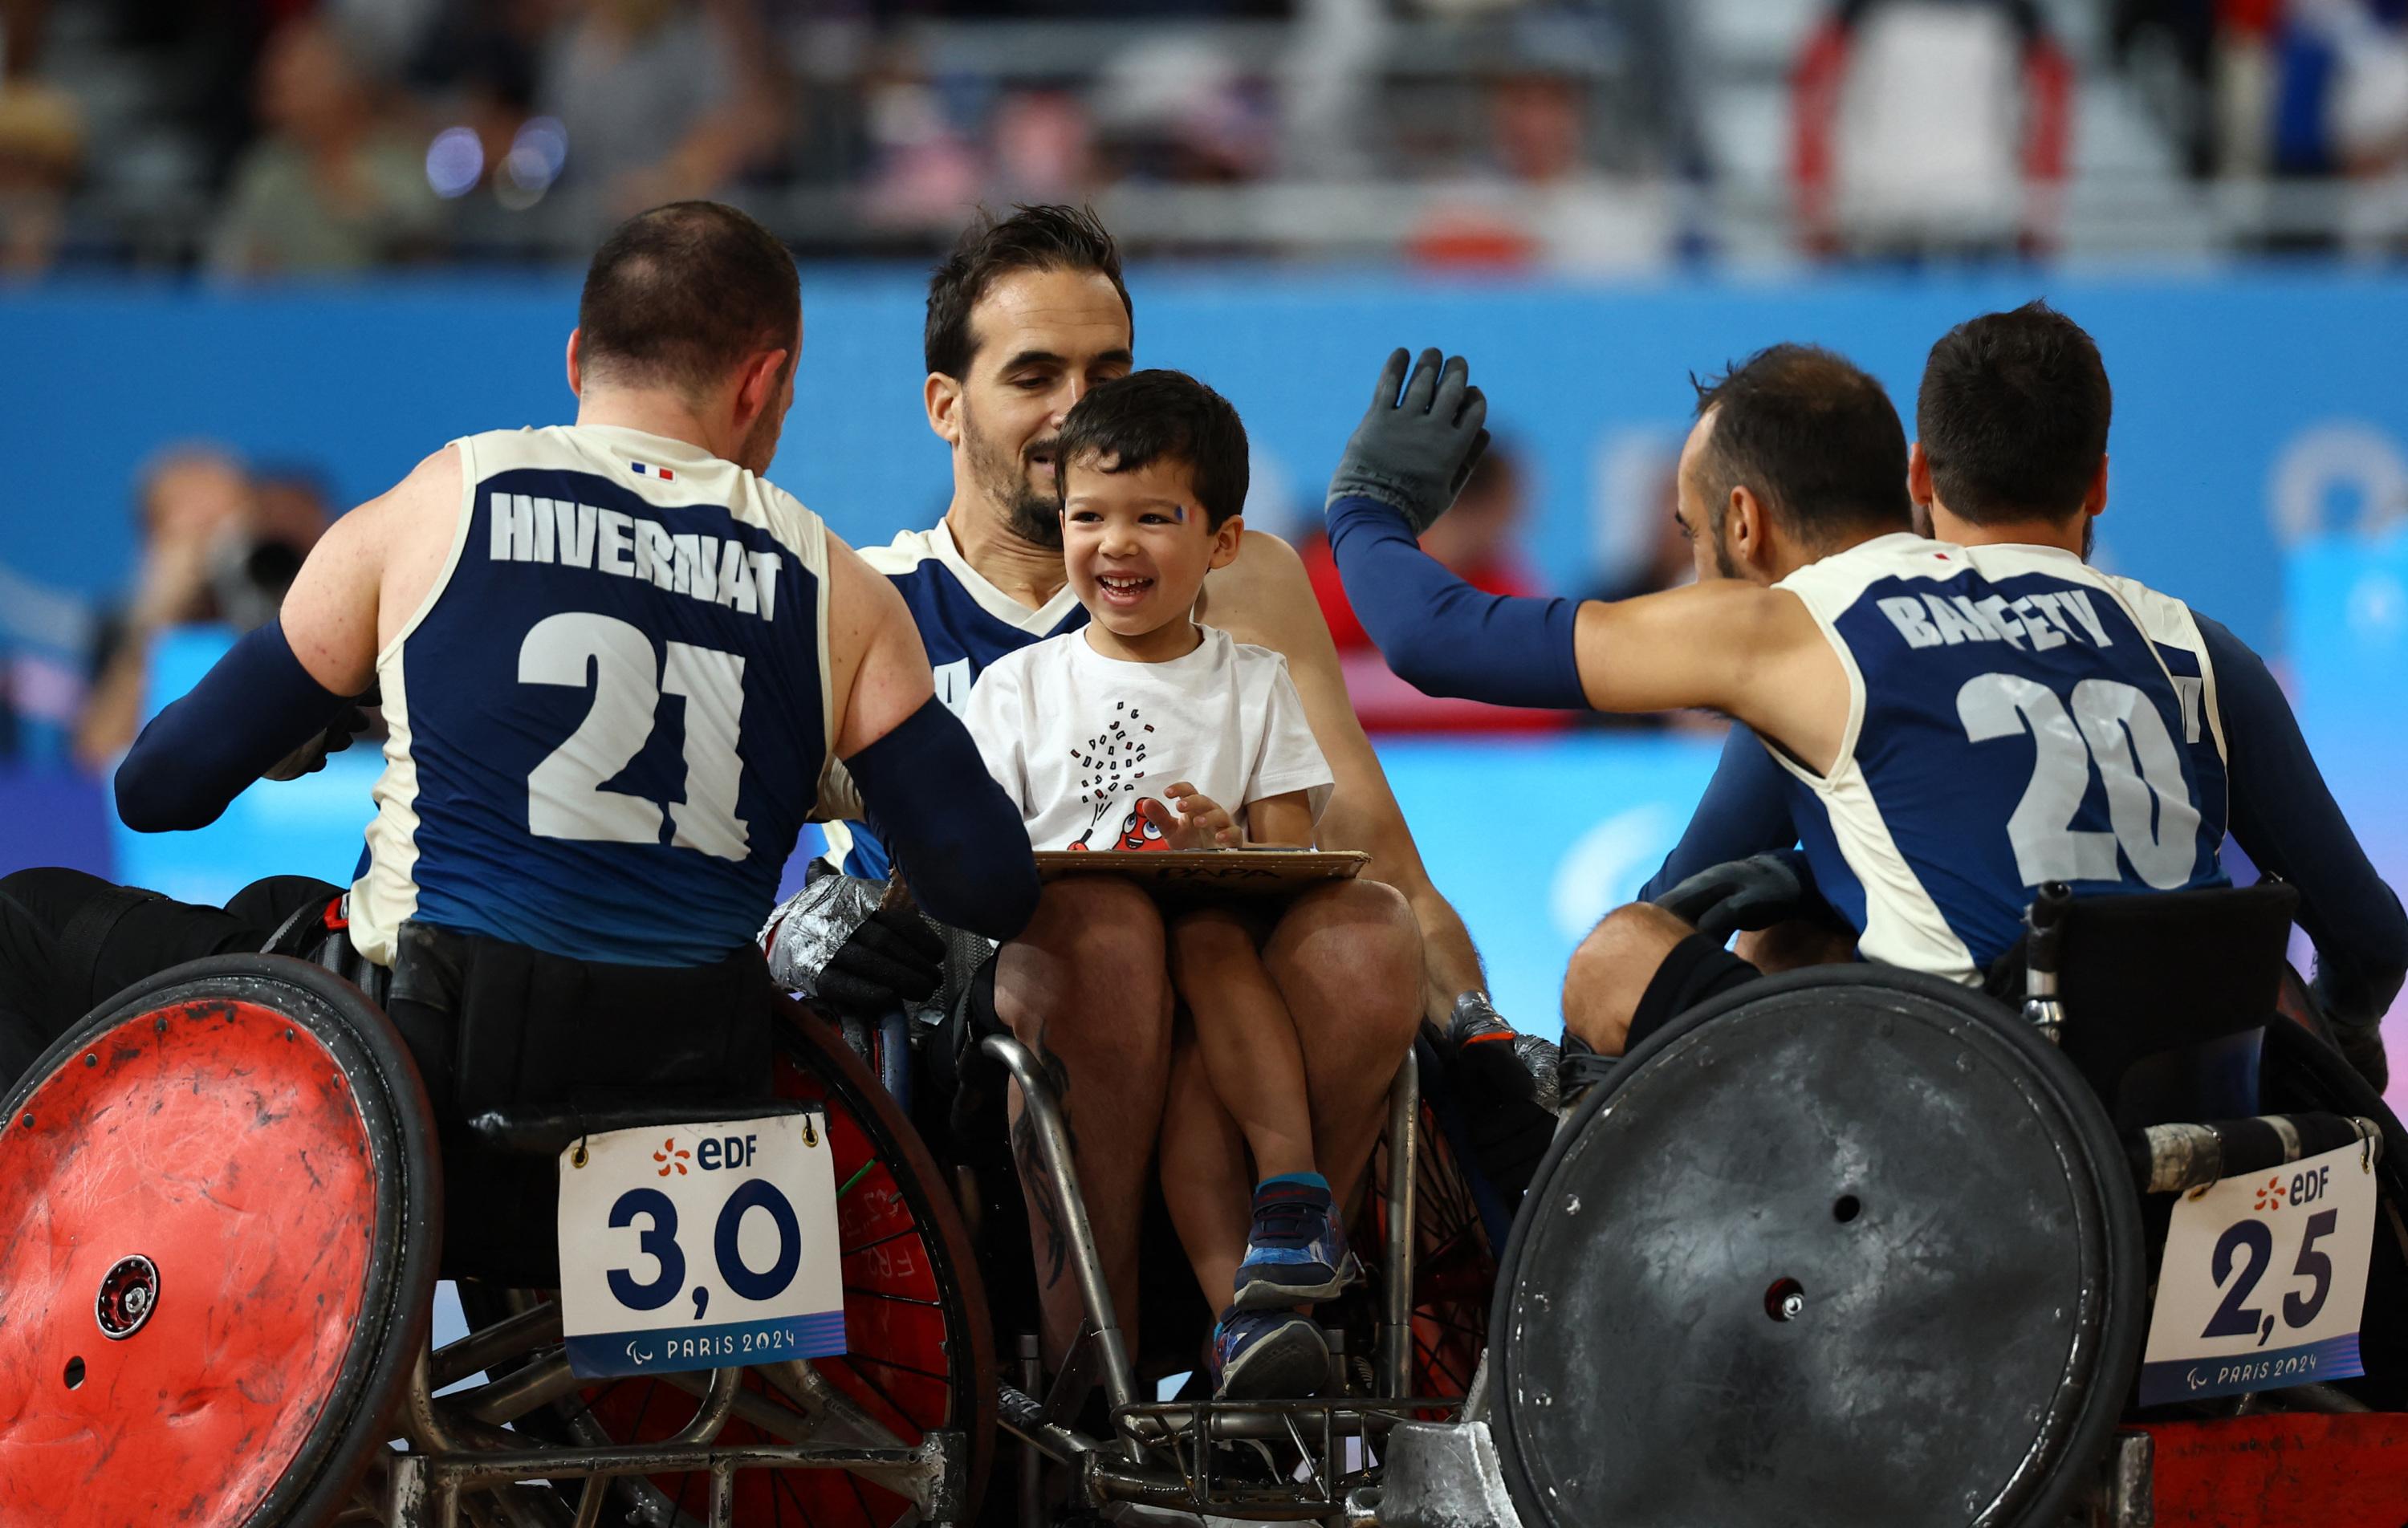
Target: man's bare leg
[
  {"x": 1086, "y": 987},
  {"x": 1610, "y": 972},
  {"x": 1347, "y": 957},
  {"x": 1204, "y": 1177}
]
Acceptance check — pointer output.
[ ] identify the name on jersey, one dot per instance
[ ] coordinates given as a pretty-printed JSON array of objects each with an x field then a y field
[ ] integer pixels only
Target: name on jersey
[
  {"x": 2034, "y": 623},
  {"x": 527, "y": 529}
]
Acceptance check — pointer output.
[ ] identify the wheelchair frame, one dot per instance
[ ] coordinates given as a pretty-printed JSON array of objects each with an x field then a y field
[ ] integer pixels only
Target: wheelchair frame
[
  {"x": 1161, "y": 1457},
  {"x": 1162, "y": 1454},
  {"x": 448, "y": 1455}
]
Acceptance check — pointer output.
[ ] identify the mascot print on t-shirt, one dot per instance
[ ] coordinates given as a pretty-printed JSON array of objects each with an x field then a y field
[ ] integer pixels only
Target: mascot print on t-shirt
[{"x": 1114, "y": 760}]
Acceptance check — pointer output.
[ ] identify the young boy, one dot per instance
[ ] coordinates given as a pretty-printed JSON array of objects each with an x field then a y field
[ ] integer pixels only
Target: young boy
[{"x": 1146, "y": 731}]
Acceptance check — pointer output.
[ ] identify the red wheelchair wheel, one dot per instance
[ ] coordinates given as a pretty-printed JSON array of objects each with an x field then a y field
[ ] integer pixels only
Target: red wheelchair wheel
[
  {"x": 921, "y": 1358},
  {"x": 222, "y": 1205},
  {"x": 1455, "y": 1264}
]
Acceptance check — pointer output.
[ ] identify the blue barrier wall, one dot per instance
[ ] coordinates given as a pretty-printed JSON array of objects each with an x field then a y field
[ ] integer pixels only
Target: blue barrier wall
[
  {"x": 2244, "y": 400},
  {"x": 2254, "y": 408}
]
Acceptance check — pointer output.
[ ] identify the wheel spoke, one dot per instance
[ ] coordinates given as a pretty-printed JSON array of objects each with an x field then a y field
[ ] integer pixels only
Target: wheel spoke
[
  {"x": 843, "y": 1250},
  {"x": 802, "y": 1507},
  {"x": 885, "y": 1394},
  {"x": 868, "y": 1293},
  {"x": 906, "y": 1369}
]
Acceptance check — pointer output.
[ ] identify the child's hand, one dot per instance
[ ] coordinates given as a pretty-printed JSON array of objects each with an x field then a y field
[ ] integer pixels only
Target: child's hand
[{"x": 1200, "y": 822}]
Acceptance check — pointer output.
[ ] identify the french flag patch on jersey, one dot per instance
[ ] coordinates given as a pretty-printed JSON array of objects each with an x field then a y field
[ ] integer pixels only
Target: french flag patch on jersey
[{"x": 663, "y": 474}]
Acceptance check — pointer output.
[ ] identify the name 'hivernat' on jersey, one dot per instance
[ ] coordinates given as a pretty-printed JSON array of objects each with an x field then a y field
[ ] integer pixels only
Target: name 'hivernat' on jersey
[
  {"x": 2016, "y": 718},
  {"x": 609, "y": 717}
]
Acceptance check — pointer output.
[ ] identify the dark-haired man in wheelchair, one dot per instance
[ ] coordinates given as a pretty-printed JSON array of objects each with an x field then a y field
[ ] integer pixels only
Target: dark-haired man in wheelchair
[
  {"x": 2012, "y": 418},
  {"x": 615, "y": 661}
]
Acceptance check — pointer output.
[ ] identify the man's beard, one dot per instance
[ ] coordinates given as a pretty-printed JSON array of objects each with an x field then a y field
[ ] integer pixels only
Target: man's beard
[
  {"x": 1724, "y": 566},
  {"x": 1034, "y": 516},
  {"x": 759, "y": 446}
]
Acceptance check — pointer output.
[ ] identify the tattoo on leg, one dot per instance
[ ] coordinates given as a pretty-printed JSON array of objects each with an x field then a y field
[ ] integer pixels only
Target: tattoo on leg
[{"x": 1035, "y": 1181}]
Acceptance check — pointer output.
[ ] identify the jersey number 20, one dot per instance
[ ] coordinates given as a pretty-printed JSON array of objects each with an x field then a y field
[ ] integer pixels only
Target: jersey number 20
[
  {"x": 2154, "y": 821},
  {"x": 565, "y": 798}
]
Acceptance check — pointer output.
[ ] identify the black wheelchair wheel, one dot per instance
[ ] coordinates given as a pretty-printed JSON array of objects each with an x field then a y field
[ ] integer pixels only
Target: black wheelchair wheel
[
  {"x": 222, "y": 1207},
  {"x": 1845, "y": 1246},
  {"x": 921, "y": 1357}
]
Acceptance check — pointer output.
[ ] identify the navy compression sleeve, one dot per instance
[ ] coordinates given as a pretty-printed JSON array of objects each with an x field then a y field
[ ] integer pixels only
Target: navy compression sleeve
[
  {"x": 1441, "y": 635},
  {"x": 2286, "y": 820},
  {"x": 1744, "y": 811},
  {"x": 956, "y": 835},
  {"x": 254, "y": 706}
]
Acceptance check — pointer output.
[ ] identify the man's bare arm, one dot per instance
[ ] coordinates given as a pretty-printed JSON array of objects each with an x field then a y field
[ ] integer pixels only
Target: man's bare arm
[
  {"x": 1264, "y": 598},
  {"x": 369, "y": 574},
  {"x": 954, "y": 832},
  {"x": 878, "y": 666},
  {"x": 1724, "y": 644},
  {"x": 1740, "y": 649}
]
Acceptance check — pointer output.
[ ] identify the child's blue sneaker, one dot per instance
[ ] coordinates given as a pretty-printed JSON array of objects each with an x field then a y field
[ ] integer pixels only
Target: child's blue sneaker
[
  {"x": 1263, "y": 1355},
  {"x": 1297, "y": 1252}
]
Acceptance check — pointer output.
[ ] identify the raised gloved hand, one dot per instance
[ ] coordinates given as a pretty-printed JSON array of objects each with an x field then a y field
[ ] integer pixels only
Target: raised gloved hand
[
  {"x": 1419, "y": 440},
  {"x": 1752, "y": 893},
  {"x": 833, "y": 941}
]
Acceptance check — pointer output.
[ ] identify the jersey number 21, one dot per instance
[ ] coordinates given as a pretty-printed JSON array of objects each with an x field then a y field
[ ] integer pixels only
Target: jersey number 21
[{"x": 565, "y": 798}]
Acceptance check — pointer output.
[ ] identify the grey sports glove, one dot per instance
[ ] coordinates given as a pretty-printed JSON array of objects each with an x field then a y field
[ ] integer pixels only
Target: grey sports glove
[
  {"x": 1752, "y": 893},
  {"x": 1414, "y": 451}
]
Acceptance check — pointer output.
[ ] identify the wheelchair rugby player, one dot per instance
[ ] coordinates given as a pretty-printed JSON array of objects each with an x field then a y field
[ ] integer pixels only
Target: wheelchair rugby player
[
  {"x": 615, "y": 662},
  {"x": 1859, "y": 1243}
]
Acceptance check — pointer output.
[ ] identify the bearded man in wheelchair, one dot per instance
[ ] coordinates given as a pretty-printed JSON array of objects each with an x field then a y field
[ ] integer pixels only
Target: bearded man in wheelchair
[{"x": 1859, "y": 1243}]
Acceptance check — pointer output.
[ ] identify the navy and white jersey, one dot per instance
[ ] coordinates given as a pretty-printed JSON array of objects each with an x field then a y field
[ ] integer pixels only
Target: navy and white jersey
[
  {"x": 2014, "y": 718},
  {"x": 966, "y": 623},
  {"x": 609, "y": 716}
]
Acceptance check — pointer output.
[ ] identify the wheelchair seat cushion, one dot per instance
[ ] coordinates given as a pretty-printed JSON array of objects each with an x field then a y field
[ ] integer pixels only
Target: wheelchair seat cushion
[
  {"x": 499, "y": 1028},
  {"x": 1844, "y": 1245}
]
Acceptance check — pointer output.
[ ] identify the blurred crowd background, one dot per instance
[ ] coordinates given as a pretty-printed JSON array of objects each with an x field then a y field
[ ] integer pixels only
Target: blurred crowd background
[{"x": 250, "y": 138}]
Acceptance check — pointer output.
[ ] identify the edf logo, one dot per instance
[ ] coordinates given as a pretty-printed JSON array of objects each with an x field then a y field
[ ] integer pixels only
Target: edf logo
[{"x": 711, "y": 1155}]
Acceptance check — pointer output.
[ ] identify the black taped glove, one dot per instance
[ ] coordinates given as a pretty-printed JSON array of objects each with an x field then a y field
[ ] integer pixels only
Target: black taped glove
[
  {"x": 311, "y": 756},
  {"x": 1413, "y": 452},
  {"x": 834, "y": 941},
  {"x": 894, "y": 959}
]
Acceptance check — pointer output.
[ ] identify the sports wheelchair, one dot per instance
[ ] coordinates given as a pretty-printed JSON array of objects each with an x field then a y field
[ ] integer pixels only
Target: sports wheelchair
[
  {"x": 226, "y": 1201},
  {"x": 1857, "y": 1246}
]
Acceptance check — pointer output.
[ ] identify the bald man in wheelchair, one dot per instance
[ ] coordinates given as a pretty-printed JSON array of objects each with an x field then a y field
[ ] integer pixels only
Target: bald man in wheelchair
[
  {"x": 1958, "y": 724},
  {"x": 616, "y": 663},
  {"x": 2013, "y": 416}
]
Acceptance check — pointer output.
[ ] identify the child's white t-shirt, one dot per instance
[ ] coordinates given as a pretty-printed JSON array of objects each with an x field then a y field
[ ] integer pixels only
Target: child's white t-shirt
[{"x": 1076, "y": 739}]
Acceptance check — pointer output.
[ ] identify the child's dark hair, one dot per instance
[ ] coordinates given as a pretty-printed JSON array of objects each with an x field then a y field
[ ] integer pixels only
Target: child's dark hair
[{"x": 1146, "y": 417}]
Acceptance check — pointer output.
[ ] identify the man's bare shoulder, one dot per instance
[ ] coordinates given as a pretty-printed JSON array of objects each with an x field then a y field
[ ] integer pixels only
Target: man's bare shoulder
[
  {"x": 1265, "y": 597},
  {"x": 429, "y": 495}
]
